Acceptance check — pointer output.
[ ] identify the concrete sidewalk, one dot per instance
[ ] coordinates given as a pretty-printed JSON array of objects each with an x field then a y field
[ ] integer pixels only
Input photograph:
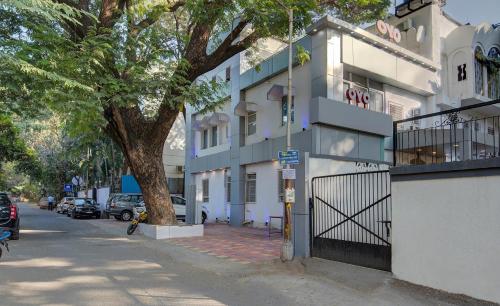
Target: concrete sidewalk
[{"x": 309, "y": 281}]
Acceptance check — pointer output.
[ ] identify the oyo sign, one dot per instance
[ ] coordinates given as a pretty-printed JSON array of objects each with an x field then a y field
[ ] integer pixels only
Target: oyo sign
[
  {"x": 358, "y": 96},
  {"x": 384, "y": 28}
]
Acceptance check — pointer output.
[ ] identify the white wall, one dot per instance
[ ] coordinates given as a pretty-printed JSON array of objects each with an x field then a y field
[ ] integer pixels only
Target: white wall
[
  {"x": 216, "y": 204},
  {"x": 267, "y": 197},
  {"x": 269, "y": 112},
  {"x": 102, "y": 197},
  {"x": 446, "y": 234},
  {"x": 173, "y": 149}
]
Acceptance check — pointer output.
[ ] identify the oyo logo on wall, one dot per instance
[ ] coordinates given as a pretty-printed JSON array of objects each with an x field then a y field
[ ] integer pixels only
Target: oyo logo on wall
[
  {"x": 384, "y": 28},
  {"x": 358, "y": 96}
]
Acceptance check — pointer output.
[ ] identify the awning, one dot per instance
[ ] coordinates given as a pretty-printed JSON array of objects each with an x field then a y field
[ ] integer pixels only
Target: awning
[
  {"x": 243, "y": 107},
  {"x": 218, "y": 118},
  {"x": 210, "y": 120},
  {"x": 277, "y": 92}
]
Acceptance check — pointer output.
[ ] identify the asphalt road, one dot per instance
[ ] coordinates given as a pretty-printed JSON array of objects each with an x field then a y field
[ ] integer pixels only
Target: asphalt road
[{"x": 60, "y": 261}]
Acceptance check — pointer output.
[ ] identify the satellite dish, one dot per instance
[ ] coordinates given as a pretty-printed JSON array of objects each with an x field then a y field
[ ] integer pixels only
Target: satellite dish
[{"x": 420, "y": 34}]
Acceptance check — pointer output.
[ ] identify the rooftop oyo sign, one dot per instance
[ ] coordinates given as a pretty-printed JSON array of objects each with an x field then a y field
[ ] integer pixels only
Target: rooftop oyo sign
[
  {"x": 358, "y": 96},
  {"x": 384, "y": 28}
]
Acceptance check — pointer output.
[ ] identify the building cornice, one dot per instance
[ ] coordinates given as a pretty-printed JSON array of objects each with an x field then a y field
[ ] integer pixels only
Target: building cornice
[{"x": 370, "y": 38}]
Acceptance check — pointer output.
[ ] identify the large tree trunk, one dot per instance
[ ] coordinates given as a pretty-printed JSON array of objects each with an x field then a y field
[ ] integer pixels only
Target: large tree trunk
[
  {"x": 142, "y": 146},
  {"x": 147, "y": 166}
]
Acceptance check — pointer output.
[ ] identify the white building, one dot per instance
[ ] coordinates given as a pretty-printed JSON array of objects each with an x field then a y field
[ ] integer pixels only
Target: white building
[
  {"x": 174, "y": 156},
  {"x": 401, "y": 67}
]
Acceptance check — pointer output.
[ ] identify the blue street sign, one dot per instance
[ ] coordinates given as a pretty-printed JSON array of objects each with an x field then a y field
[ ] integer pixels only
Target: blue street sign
[
  {"x": 68, "y": 188},
  {"x": 288, "y": 157}
]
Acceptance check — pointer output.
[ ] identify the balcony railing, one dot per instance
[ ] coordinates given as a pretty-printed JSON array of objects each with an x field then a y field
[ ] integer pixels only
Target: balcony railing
[{"x": 460, "y": 134}]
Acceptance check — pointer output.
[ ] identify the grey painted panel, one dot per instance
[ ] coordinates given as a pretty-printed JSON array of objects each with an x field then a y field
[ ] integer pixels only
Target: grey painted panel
[
  {"x": 340, "y": 114},
  {"x": 339, "y": 142},
  {"x": 246, "y": 155},
  {"x": 370, "y": 147},
  {"x": 301, "y": 235},
  {"x": 211, "y": 162},
  {"x": 280, "y": 61},
  {"x": 258, "y": 150}
]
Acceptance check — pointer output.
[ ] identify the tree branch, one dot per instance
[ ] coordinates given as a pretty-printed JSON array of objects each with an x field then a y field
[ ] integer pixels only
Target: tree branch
[{"x": 155, "y": 15}]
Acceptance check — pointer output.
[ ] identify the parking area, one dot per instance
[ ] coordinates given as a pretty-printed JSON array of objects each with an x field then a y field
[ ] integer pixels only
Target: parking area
[{"x": 243, "y": 244}]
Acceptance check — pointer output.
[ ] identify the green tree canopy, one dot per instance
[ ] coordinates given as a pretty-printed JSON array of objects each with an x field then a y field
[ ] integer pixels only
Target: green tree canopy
[{"x": 130, "y": 66}]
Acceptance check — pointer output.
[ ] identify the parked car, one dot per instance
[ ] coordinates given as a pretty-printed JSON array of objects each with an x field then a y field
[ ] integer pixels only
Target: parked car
[
  {"x": 121, "y": 205},
  {"x": 43, "y": 203},
  {"x": 180, "y": 208},
  {"x": 81, "y": 207},
  {"x": 62, "y": 207},
  {"x": 9, "y": 216}
]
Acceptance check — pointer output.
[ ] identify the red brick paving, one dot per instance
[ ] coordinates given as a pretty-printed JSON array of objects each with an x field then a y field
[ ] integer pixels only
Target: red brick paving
[{"x": 242, "y": 244}]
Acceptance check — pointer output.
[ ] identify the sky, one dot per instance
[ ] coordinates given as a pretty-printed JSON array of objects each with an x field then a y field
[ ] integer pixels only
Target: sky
[{"x": 473, "y": 11}]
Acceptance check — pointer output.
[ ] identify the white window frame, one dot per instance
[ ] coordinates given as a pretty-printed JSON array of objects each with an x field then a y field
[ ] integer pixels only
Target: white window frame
[
  {"x": 249, "y": 178},
  {"x": 367, "y": 88},
  {"x": 205, "y": 186},
  {"x": 204, "y": 141},
  {"x": 254, "y": 123},
  {"x": 214, "y": 136}
]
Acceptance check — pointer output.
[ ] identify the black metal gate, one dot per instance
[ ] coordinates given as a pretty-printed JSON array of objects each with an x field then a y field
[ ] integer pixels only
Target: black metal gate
[{"x": 350, "y": 218}]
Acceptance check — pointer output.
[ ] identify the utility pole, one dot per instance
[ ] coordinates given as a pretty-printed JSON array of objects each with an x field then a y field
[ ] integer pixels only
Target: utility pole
[{"x": 287, "y": 247}]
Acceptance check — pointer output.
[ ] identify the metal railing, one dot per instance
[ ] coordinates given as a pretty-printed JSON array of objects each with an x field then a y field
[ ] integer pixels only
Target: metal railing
[{"x": 460, "y": 134}]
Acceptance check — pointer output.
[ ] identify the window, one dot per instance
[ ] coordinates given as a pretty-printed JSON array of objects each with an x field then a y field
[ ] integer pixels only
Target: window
[
  {"x": 228, "y": 74},
  {"x": 284, "y": 114},
  {"x": 494, "y": 75},
  {"x": 214, "y": 136},
  {"x": 228, "y": 189},
  {"x": 396, "y": 111},
  {"x": 214, "y": 78},
  {"x": 251, "y": 123},
  {"x": 204, "y": 139},
  {"x": 178, "y": 201},
  {"x": 491, "y": 131},
  {"x": 227, "y": 130},
  {"x": 281, "y": 187},
  {"x": 204, "y": 184},
  {"x": 251, "y": 188},
  {"x": 478, "y": 71},
  {"x": 374, "y": 89},
  {"x": 175, "y": 185}
]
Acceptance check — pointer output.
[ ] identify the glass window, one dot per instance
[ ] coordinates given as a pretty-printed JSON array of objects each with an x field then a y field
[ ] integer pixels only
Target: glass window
[
  {"x": 251, "y": 123},
  {"x": 284, "y": 103},
  {"x": 359, "y": 80},
  {"x": 228, "y": 189},
  {"x": 204, "y": 184},
  {"x": 396, "y": 111},
  {"x": 376, "y": 100},
  {"x": 347, "y": 85},
  {"x": 214, "y": 136},
  {"x": 178, "y": 201},
  {"x": 251, "y": 187},
  {"x": 478, "y": 72},
  {"x": 204, "y": 139},
  {"x": 228, "y": 74},
  {"x": 494, "y": 76}
]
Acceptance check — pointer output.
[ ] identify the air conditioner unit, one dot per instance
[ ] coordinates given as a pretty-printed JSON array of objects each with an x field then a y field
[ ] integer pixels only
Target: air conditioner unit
[{"x": 180, "y": 169}]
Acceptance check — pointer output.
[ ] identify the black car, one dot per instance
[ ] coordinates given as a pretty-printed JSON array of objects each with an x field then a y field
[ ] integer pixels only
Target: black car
[
  {"x": 9, "y": 216},
  {"x": 81, "y": 207}
]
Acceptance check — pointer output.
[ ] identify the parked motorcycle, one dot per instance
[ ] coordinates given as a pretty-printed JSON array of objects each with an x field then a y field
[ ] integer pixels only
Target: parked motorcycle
[
  {"x": 140, "y": 215},
  {"x": 4, "y": 236}
]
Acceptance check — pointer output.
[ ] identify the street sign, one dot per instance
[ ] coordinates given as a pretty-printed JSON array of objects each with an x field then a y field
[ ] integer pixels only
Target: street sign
[
  {"x": 288, "y": 174},
  {"x": 68, "y": 188},
  {"x": 290, "y": 157},
  {"x": 290, "y": 195}
]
